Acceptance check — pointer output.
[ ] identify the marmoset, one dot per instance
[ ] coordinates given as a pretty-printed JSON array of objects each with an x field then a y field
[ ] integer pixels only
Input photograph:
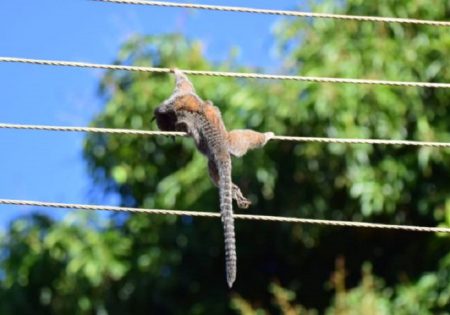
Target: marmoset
[{"x": 201, "y": 120}]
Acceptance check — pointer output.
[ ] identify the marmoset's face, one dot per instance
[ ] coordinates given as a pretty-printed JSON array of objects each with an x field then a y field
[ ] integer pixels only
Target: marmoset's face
[{"x": 165, "y": 119}]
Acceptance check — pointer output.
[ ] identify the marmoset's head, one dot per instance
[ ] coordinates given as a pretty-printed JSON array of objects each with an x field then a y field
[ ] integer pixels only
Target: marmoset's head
[{"x": 165, "y": 118}]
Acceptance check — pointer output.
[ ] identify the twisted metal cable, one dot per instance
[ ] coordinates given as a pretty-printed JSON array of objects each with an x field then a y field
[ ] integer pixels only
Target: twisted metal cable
[
  {"x": 365, "y": 141},
  {"x": 224, "y": 74},
  {"x": 282, "y": 12},
  {"x": 93, "y": 130},
  {"x": 411, "y": 228},
  {"x": 183, "y": 134}
]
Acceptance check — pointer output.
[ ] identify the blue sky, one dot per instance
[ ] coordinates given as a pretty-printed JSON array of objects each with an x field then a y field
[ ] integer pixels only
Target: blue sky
[{"x": 48, "y": 166}]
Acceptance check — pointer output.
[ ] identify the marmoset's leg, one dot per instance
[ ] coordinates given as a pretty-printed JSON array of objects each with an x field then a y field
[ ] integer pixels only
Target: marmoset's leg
[
  {"x": 242, "y": 202},
  {"x": 240, "y": 141}
]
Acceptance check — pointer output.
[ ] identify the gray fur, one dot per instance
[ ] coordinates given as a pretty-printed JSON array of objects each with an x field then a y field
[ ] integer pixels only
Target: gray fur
[{"x": 210, "y": 141}]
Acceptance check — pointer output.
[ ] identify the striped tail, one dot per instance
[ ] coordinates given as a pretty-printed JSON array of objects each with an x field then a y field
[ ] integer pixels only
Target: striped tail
[{"x": 226, "y": 211}]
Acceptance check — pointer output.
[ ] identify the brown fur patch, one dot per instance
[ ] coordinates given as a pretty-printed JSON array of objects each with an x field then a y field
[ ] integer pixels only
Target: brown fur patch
[
  {"x": 188, "y": 103},
  {"x": 193, "y": 104}
]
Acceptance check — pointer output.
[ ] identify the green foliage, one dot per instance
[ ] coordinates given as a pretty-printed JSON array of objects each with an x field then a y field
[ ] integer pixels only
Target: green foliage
[
  {"x": 282, "y": 299},
  {"x": 382, "y": 179},
  {"x": 60, "y": 268},
  {"x": 165, "y": 265}
]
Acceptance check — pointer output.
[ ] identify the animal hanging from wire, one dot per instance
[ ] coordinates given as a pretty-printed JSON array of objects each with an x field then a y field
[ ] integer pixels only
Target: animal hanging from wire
[{"x": 201, "y": 120}]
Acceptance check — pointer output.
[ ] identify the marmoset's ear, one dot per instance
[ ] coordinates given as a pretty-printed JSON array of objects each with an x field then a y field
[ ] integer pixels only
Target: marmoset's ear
[{"x": 183, "y": 85}]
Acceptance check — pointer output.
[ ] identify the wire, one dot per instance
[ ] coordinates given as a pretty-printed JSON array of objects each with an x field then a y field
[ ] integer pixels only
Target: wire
[
  {"x": 183, "y": 134},
  {"x": 93, "y": 130},
  {"x": 365, "y": 141},
  {"x": 223, "y": 74},
  {"x": 217, "y": 215},
  {"x": 282, "y": 12}
]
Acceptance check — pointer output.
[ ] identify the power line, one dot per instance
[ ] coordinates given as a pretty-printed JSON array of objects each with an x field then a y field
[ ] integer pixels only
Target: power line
[
  {"x": 411, "y": 228},
  {"x": 224, "y": 74},
  {"x": 365, "y": 141},
  {"x": 93, "y": 130},
  {"x": 282, "y": 12},
  {"x": 183, "y": 134}
]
